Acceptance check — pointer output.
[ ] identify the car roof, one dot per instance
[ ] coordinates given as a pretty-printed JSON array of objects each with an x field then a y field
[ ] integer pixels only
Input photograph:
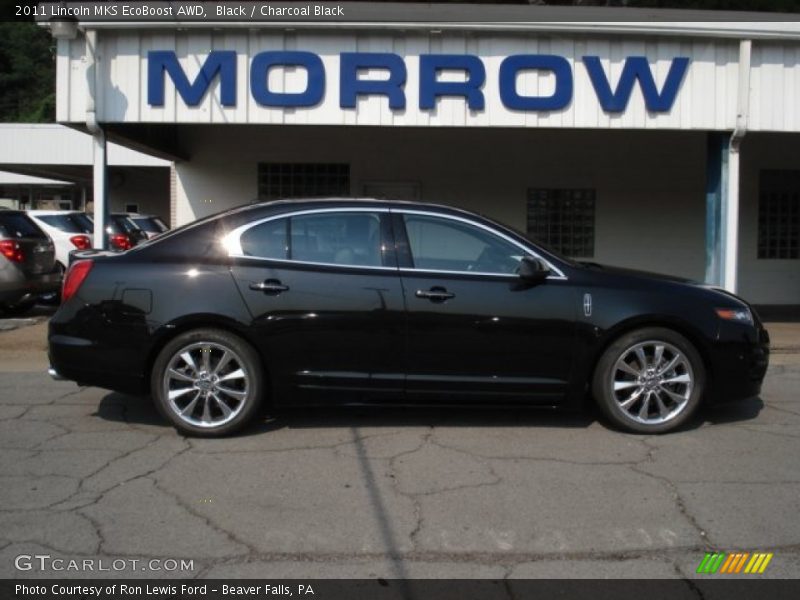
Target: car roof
[
  {"x": 37, "y": 212},
  {"x": 311, "y": 203}
]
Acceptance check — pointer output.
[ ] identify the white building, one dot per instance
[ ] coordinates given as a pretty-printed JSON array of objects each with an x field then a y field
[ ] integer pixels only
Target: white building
[{"x": 648, "y": 140}]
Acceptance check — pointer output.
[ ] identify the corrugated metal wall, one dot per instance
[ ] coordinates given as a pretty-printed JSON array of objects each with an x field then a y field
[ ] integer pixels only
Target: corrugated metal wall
[{"x": 706, "y": 99}]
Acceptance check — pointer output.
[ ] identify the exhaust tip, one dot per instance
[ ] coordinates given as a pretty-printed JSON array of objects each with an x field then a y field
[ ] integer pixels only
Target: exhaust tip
[{"x": 55, "y": 374}]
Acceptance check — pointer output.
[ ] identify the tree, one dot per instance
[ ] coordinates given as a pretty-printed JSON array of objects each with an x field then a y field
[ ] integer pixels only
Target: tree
[{"x": 27, "y": 73}]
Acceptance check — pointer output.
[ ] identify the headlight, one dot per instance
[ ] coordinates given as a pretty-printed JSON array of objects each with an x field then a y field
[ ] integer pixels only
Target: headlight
[{"x": 740, "y": 315}]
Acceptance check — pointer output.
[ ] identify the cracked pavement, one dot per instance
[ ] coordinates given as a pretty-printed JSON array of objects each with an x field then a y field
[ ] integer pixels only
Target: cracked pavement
[{"x": 87, "y": 473}]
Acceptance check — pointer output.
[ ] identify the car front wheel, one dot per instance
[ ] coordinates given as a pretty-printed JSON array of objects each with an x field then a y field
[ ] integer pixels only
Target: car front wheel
[
  {"x": 649, "y": 381},
  {"x": 207, "y": 382}
]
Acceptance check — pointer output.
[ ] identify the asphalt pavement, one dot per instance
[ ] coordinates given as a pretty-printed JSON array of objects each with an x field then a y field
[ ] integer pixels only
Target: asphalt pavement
[{"x": 90, "y": 474}]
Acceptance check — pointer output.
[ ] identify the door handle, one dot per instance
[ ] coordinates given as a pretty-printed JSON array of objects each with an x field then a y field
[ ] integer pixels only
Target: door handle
[
  {"x": 435, "y": 294},
  {"x": 270, "y": 286}
]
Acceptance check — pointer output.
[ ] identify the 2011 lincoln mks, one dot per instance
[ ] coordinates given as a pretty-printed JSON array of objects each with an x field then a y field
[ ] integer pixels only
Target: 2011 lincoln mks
[{"x": 359, "y": 301}]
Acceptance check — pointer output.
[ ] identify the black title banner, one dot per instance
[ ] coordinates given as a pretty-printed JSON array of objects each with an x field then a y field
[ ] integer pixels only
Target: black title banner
[
  {"x": 200, "y": 11},
  {"x": 398, "y": 589}
]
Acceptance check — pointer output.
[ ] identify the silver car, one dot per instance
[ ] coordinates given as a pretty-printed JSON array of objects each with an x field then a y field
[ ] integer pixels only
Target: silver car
[{"x": 27, "y": 263}]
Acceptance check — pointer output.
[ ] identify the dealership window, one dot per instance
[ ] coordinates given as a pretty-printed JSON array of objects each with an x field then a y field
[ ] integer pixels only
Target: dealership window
[
  {"x": 779, "y": 215},
  {"x": 563, "y": 219},
  {"x": 302, "y": 180}
]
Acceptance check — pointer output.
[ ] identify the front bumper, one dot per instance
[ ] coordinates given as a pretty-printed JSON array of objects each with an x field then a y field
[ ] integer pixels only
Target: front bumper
[{"x": 740, "y": 363}]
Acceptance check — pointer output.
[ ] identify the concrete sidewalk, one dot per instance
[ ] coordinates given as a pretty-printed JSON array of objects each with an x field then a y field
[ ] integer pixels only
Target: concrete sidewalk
[{"x": 784, "y": 337}]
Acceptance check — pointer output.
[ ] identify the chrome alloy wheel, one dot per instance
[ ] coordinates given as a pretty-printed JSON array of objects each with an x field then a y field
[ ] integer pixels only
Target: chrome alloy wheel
[
  {"x": 652, "y": 382},
  {"x": 206, "y": 384}
]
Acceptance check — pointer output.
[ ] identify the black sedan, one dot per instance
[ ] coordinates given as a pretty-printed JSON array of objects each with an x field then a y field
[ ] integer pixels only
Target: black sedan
[{"x": 350, "y": 302}]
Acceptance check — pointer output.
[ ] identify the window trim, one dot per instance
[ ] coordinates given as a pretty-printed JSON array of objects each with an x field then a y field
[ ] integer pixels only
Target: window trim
[{"x": 232, "y": 242}]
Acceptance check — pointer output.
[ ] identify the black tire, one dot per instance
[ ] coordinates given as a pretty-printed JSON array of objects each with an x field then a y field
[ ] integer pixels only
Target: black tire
[
  {"x": 665, "y": 401},
  {"x": 250, "y": 386}
]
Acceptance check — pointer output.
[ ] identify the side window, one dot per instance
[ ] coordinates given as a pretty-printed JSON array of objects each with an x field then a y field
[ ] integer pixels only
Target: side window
[
  {"x": 338, "y": 238},
  {"x": 446, "y": 245},
  {"x": 267, "y": 240}
]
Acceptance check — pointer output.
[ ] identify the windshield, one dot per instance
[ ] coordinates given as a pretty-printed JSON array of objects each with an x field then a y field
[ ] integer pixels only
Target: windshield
[{"x": 68, "y": 223}]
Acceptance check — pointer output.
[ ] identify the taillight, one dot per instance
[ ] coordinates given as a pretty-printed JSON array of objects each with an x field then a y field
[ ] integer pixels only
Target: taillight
[
  {"x": 12, "y": 251},
  {"x": 120, "y": 241},
  {"x": 81, "y": 242},
  {"x": 74, "y": 278}
]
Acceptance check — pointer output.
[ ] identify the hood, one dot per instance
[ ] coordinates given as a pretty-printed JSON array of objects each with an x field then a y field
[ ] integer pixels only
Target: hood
[{"x": 638, "y": 274}]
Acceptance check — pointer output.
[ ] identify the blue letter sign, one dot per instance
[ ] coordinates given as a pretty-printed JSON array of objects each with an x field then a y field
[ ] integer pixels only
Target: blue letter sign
[
  {"x": 259, "y": 71},
  {"x": 351, "y": 86},
  {"x": 430, "y": 87},
  {"x": 512, "y": 65},
  {"x": 636, "y": 68},
  {"x": 222, "y": 62}
]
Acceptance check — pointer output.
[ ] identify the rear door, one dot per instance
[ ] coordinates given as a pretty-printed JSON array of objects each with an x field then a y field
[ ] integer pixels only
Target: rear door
[
  {"x": 25, "y": 244},
  {"x": 327, "y": 305},
  {"x": 476, "y": 331}
]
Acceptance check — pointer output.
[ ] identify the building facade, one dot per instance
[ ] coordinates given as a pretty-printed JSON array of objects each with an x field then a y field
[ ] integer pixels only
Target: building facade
[
  {"x": 49, "y": 166},
  {"x": 662, "y": 145}
]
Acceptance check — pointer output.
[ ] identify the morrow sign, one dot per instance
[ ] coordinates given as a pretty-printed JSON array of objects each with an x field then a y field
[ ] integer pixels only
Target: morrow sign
[{"x": 221, "y": 64}]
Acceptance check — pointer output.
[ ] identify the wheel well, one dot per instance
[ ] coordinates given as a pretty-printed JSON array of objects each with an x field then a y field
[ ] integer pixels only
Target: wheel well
[
  {"x": 686, "y": 331},
  {"x": 185, "y": 326}
]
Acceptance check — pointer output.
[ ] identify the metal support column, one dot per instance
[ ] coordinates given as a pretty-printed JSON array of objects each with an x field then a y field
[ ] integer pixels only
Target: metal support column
[
  {"x": 717, "y": 173},
  {"x": 100, "y": 189},
  {"x": 93, "y": 109}
]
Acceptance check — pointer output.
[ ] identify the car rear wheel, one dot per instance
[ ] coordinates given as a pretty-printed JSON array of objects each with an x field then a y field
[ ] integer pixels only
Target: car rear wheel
[
  {"x": 649, "y": 381},
  {"x": 207, "y": 382}
]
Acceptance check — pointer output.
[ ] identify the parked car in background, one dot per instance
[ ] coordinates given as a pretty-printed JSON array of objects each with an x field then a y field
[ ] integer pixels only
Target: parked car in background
[
  {"x": 27, "y": 263},
  {"x": 69, "y": 229},
  {"x": 351, "y": 302},
  {"x": 123, "y": 234},
  {"x": 152, "y": 225}
]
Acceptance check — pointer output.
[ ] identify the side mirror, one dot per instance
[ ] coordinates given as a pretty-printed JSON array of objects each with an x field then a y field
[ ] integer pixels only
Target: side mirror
[{"x": 533, "y": 270}]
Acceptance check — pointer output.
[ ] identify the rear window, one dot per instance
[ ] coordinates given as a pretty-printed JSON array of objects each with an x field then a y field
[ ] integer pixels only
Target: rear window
[
  {"x": 122, "y": 224},
  {"x": 69, "y": 223},
  {"x": 150, "y": 224},
  {"x": 19, "y": 225}
]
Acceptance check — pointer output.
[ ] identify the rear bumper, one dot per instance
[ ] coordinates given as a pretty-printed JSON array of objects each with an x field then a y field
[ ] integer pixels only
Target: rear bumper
[
  {"x": 86, "y": 363},
  {"x": 20, "y": 288}
]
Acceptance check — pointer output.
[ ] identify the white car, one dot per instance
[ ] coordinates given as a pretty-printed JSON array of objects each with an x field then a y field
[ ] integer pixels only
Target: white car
[{"x": 69, "y": 229}]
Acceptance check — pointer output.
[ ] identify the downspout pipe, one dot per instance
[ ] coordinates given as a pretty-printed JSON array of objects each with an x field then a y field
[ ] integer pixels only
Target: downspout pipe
[
  {"x": 99, "y": 166},
  {"x": 730, "y": 215}
]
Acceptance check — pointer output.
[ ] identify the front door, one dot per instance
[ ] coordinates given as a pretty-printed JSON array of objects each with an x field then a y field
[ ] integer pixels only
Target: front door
[
  {"x": 327, "y": 305},
  {"x": 475, "y": 330}
]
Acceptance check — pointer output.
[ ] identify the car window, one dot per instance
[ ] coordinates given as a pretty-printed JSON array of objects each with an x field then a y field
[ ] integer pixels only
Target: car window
[
  {"x": 441, "y": 244},
  {"x": 18, "y": 225},
  {"x": 68, "y": 223},
  {"x": 339, "y": 238},
  {"x": 266, "y": 240},
  {"x": 347, "y": 238}
]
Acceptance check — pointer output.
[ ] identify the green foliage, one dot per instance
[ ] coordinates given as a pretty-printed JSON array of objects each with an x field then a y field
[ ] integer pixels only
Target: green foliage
[{"x": 27, "y": 74}]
